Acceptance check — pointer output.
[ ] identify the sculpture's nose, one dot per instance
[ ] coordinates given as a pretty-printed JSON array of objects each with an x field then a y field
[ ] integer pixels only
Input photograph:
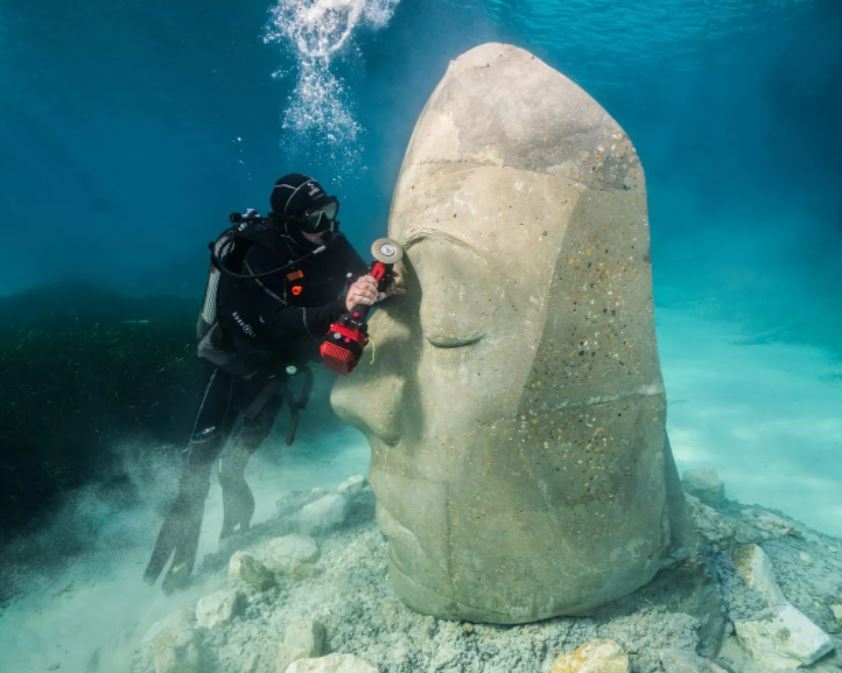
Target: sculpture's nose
[
  {"x": 370, "y": 398},
  {"x": 371, "y": 405}
]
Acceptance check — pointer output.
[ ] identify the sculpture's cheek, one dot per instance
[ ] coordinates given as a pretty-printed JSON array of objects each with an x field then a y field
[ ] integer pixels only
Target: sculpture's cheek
[{"x": 412, "y": 512}]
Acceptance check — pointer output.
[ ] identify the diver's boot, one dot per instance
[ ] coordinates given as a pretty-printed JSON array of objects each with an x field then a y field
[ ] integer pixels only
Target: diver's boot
[{"x": 237, "y": 498}]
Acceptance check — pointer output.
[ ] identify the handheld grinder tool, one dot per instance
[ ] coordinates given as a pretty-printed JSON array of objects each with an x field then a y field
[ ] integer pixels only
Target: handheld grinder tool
[{"x": 346, "y": 339}]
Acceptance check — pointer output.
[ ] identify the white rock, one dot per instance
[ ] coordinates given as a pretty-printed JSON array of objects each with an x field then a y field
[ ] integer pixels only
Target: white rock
[
  {"x": 245, "y": 568},
  {"x": 783, "y": 638},
  {"x": 286, "y": 554},
  {"x": 679, "y": 661},
  {"x": 705, "y": 485},
  {"x": 711, "y": 524},
  {"x": 324, "y": 514},
  {"x": 180, "y": 619},
  {"x": 596, "y": 656},
  {"x": 303, "y": 639},
  {"x": 754, "y": 567},
  {"x": 315, "y": 493},
  {"x": 217, "y": 608},
  {"x": 250, "y": 662},
  {"x": 768, "y": 525},
  {"x": 176, "y": 646},
  {"x": 837, "y": 613},
  {"x": 332, "y": 663},
  {"x": 352, "y": 485},
  {"x": 289, "y": 503}
]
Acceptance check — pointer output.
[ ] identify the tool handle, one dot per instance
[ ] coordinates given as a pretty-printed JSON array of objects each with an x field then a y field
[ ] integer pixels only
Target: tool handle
[
  {"x": 382, "y": 273},
  {"x": 359, "y": 313}
]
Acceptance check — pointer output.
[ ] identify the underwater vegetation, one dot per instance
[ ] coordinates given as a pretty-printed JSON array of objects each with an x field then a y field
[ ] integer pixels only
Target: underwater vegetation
[{"x": 85, "y": 372}]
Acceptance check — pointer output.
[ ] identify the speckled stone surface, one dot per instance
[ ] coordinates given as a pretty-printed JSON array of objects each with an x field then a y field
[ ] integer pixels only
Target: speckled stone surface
[{"x": 515, "y": 408}]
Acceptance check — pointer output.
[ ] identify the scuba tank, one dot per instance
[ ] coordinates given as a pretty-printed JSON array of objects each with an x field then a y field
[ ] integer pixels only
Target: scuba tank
[
  {"x": 207, "y": 316},
  {"x": 219, "y": 248}
]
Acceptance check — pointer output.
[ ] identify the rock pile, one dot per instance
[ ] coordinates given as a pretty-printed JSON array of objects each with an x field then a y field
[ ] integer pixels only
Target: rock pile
[
  {"x": 302, "y": 640},
  {"x": 704, "y": 485},
  {"x": 747, "y": 602},
  {"x": 597, "y": 656},
  {"x": 780, "y": 637}
]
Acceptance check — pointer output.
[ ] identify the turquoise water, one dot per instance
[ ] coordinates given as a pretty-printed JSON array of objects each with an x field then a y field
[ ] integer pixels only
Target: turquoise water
[{"x": 129, "y": 130}]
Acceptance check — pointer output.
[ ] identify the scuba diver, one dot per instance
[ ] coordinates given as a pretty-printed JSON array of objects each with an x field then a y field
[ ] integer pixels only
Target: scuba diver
[{"x": 276, "y": 285}]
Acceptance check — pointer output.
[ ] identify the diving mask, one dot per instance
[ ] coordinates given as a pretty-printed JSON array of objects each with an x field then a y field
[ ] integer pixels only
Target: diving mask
[{"x": 322, "y": 218}]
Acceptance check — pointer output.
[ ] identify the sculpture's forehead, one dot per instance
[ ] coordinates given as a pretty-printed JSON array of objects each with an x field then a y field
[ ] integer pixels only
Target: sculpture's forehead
[{"x": 511, "y": 219}]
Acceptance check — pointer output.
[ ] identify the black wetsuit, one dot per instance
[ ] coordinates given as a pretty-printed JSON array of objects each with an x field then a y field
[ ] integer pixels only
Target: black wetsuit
[{"x": 264, "y": 325}]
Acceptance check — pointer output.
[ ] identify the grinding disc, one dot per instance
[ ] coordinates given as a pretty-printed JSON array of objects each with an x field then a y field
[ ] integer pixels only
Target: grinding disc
[{"x": 387, "y": 251}]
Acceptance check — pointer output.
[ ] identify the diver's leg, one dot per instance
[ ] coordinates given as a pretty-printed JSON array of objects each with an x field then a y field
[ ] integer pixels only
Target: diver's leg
[
  {"x": 237, "y": 498},
  {"x": 179, "y": 534}
]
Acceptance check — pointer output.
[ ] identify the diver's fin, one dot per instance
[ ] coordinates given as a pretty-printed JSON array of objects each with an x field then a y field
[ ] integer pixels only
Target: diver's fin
[
  {"x": 177, "y": 577},
  {"x": 161, "y": 553},
  {"x": 296, "y": 404},
  {"x": 179, "y": 539},
  {"x": 237, "y": 507},
  {"x": 293, "y": 425},
  {"x": 306, "y": 389}
]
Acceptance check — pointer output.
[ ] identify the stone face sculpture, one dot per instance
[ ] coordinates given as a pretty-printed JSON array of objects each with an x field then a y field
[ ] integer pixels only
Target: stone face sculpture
[{"x": 515, "y": 409}]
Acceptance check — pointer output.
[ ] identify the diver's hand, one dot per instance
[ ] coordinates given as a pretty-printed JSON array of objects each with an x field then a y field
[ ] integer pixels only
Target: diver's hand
[
  {"x": 394, "y": 287},
  {"x": 364, "y": 291}
]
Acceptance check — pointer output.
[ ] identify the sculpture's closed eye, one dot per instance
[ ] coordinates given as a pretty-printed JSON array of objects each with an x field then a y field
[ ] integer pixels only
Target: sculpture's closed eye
[
  {"x": 450, "y": 328},
  {"x": 451, "y": 341},
  {"x": 452, "y": 279}
]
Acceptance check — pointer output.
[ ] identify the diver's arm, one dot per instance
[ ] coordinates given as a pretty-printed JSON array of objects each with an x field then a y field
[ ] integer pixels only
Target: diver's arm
[
  {"x": 286, "y": 322},
  {"x": 282, "y": 323},
  {"x": 362, "y": 291}
]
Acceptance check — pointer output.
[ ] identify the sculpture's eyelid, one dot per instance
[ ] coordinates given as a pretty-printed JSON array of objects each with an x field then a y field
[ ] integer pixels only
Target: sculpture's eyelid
[
  {"x": 449, "y": 333},
  {"x": 437, "y": 341}
]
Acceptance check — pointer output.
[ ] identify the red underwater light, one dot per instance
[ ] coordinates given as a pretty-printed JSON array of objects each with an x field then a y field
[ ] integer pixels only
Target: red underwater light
[{"x": 343, "y": 346}]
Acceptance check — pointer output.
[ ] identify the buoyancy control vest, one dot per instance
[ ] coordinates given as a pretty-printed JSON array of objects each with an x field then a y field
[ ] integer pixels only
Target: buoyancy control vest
[{"x": 229, "y": 325}]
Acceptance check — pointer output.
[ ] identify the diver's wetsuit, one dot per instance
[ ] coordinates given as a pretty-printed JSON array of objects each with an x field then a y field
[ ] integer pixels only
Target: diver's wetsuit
[{"x": 263, "y": 326}]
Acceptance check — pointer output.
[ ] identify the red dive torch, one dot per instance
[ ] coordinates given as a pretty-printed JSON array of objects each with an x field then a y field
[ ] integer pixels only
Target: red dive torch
[{"x": 346, "y": 339}]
